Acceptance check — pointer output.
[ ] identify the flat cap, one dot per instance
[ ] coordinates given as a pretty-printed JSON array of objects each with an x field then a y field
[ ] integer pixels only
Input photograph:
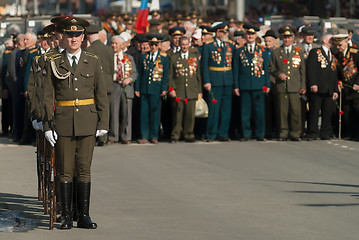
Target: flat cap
[
  {"x": 93, "y": 29},
  {"x": 270, "y": 33},
  {"x": 309, "y": 30}
]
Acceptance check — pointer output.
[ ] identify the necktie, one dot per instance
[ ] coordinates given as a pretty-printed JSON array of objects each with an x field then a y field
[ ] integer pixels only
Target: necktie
[
  {"x": 119, "y": 70},
  {"x": 250, "y": 49},
  {"x": 74, "y": 64},
  {"x": 329, "y": 55},
  {"x": 152, "y": 57},
  {"x": 287, "y": 51}
]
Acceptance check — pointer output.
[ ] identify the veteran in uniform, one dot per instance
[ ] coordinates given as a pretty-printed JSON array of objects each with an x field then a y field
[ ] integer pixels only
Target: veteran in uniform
[
  {"x": 150, "y": 86},
  {"x": 185, "y": 88},
  {"x": 253, "y": 82},
  {"x": 74, "y": 84},
  {"x": 322, "y": 77},
  {"x": 288, "y": 70},
  {"x": 217, "y": 77},
  {"x": 348, "y": 65}
]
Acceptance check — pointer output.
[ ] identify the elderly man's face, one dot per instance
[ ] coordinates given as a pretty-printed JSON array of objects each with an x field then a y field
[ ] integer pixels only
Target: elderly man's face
[
  {"x": 269, "y": 42},
  {"x": 342, "y": 46},
  {"x": 251, "y": 37},
  {"x": 308, "y": 38},
  {"x": 116, "y": 45},
  {"x": 288, "y": 40},
  {"x": 175, "y": 40}
]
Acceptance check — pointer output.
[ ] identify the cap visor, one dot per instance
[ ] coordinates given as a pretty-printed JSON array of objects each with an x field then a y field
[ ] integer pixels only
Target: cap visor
[{"x": 73, "y": 34}]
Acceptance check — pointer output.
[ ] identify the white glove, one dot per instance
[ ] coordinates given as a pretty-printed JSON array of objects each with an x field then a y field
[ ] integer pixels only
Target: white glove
[
  {"x": 40, "y": 126},
  {"x": 51, "y": 136},
  {"x": 34, "y": 124},
  {"x": 100, "y": 133}
]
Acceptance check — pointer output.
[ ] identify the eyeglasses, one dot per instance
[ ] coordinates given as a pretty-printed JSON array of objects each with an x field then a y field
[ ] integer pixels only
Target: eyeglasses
[{"x": 154, "y": 44}]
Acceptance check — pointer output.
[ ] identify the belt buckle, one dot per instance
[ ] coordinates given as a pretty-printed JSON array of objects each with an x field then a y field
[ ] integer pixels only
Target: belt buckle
[{"x": 77, "y": 102}]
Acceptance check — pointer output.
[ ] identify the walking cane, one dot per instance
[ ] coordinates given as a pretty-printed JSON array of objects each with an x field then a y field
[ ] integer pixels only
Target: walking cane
[{"x": 340, "y": 110}]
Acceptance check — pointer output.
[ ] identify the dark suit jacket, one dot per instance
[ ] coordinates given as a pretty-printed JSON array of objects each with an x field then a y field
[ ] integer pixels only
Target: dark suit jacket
[
  {"x": 106, "y": 56},
  {"x": 185, "y": 75},
  {"x": 322, "y": 72},
  {"x": 87, "y": 82},
  {"x": 348, "y": 72}
]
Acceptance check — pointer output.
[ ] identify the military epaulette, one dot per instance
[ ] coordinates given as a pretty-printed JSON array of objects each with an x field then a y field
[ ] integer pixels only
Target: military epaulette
[
  {"x": 55, "y": 56},
  {"x": 230, "y": 41},
  {"x": 37, "y": 57},
  {"x": 262, "y": 47},
  {"x": 51, "y": 51},
  {"x": 353, "y": 50},
  {"x": 7, "y": 51},
  {"x": 163, "y": 54},
  {"x": 239, "y": 46},
  {"x": 209, "y": 41},
  {"x": 91, "y": 54},
  {"x": 33, "y": 50},
  {"x": 193, "y": 49}
]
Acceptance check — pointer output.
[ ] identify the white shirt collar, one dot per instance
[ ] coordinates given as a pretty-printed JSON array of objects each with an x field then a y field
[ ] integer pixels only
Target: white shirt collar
[
  {"x": 77, "y": 55},
  {"x": 184, "y": 54}
]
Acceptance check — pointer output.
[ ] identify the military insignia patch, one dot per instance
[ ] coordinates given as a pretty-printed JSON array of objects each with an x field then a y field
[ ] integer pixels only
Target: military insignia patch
[
  {"x": 101, "y": 69},
  {"x": 73, "y": 28}
]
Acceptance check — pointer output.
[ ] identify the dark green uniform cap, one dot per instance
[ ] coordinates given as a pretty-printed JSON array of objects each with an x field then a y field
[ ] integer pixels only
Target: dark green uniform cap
[{"x": 74, "y": 26}]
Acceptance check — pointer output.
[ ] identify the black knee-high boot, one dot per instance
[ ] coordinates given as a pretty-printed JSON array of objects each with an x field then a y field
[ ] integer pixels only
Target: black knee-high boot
[
  {"x": 66, "y": 209},
  {"x": 83, "y": 200}
]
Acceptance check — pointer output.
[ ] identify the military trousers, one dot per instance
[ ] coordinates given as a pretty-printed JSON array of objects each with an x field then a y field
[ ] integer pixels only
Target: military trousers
[
  {"x": 219, "y": 115},
  {"x": 183, "y": 117},
  {"x": 289, "y": 110},
  {"x": 253, "y": 99},
  {"x": 150, "y": 115},
  {"x": 74, "y": 154}
]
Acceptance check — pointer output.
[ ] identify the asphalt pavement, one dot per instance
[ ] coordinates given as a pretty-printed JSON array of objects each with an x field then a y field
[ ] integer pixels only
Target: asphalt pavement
[{"x": 203, "y": 191}]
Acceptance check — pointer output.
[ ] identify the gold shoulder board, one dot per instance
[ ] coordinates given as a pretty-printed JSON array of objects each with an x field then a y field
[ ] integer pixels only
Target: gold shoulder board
[
  {"x": 91, "y": 54},
  {"x": 163, "y": 54},
  {"x": 353, "y": 50},
  {"x": 209, "y": 41}
]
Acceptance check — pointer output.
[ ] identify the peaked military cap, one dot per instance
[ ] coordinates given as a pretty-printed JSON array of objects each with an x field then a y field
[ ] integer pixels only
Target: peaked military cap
[
  {"x": 270, "y": 33},
  {"x": 221, "y": 26},
  {"x": 287, "y": 31},
  {"x": 154, "y": 22},
  {"x": 250, "y": 28},
  {"x": 154, "y": 38},
  {"x": 309, "y": 30},
  {"x": 239, "y": 33},
  {"x": 177, "y": 31},
  {"x": 74, "y": 26},
  {"x": 165, "y": 38},
  {"x": 59, "y": 19},
  {"x": 206, "y": 29},
  {"x": 50, "y": 29},
  {"x": 93, "y": 29},
  {"x": 141, "y": 37},
  {"x": 340, "y": 36},
  {"x": 43, "y": 34}
]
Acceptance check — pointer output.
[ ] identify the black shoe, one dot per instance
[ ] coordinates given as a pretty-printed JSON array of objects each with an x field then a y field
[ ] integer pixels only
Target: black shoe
[
  {"x": 83, "y": 203},
  {"x": 261, "y": 139},
  {"x": 295, "y": 139},
  {"x": 190, "y": 140},
  {"x": 224, "y": 139},
  {"x": 282, "y": 139},
  {"x": 100, "y": 144},
  {"x": 209, "y": 140},
  {"x": 173, "y": 141},
  {"x": 325, "y": 138},
  {"x": 244, "y": 139}
]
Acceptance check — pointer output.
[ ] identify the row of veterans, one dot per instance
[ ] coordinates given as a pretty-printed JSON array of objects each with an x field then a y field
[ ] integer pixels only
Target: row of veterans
[{"x": 251, "y": 68}]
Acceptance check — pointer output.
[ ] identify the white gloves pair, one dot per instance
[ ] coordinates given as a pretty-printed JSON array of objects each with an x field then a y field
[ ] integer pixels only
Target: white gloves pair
[
  {"x": 51, "y": 136},
  {"x": 37, "y": 125}
]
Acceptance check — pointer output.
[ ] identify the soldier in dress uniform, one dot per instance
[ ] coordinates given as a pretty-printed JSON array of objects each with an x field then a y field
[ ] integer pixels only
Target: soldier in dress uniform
[
  {"x": 288, "y": 69},
  {"x": 348, "y": 65},
  {"x": 74, "y": 84},
  {"x": 185, "y": 88},
  {"x": 106, "y": 57},
  {"x": 150, "y": 86},
  {"x": 217, "y": 77},
  {"x": 175, "y": 34},
  {"x": 322, "y": 77},
  {"x": 251, "y": 78}
]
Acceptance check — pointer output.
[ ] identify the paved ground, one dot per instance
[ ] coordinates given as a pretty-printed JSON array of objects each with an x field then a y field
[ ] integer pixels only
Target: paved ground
[{"x": 203, "y": 191}]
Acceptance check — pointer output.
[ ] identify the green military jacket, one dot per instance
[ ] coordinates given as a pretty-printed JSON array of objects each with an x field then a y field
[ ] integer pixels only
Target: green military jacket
[
  {"x": 106, "y": 55},
  {"x": 185, "y": 75},
  {"x": 83, "y": 92},
  {"x": 293, "y": 66}
]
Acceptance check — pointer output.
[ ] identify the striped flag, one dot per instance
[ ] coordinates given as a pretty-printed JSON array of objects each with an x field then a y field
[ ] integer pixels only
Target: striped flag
[{"x": 142, "y": 15}]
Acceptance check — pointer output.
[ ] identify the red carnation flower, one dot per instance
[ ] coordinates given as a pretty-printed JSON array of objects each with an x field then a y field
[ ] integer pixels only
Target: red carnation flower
[
  {"x": 340, "y": 82},
  {"x": 170, "y": 89},
  {"x": 341, "y": 112},
  {"x": 185, "y": 100},
  {"x": 214, "y": 101},
  {"x": 123, "y": 60},
  {"x": 285, "y": 61},
  {"x": 178, "y": 99},
  {"x": 219, "y": 49},
  {"x": 265, "y": 89}
]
